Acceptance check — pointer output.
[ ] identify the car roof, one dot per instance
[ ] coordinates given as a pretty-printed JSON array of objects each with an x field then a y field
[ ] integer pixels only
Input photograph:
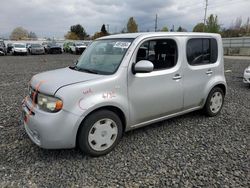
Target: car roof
[{"x": 155, "y": 34}]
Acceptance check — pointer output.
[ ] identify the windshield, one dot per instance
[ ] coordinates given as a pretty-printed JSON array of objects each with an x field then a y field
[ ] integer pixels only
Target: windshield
[
  {"x": 36, "y": 45},
  {"x": 103, "y": 56},
  {"x": 20, "y": 46}
]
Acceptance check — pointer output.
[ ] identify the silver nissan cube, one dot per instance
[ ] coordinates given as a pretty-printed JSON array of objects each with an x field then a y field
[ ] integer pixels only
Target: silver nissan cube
[{"x": 122, "y": 82}]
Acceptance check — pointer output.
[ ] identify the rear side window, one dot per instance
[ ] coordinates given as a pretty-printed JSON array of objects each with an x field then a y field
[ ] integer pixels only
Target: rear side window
[{"x": 202, "y": 51}]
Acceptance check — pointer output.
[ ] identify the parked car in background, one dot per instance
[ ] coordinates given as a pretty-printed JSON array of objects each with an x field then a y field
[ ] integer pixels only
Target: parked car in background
[
  {"x": 45, "y": 46},
  {"x": 66, "y": 46},
  {"x": 3, "y": 50},
  {"x": 54, "y": 48},
  {"x": 19, "y": 48},
  {"x": 117, "y": 86},
  {"x": 36, "y": 49},
  {"x": 246, "y": 77},
  {"x": 28, "y": 46},
  {"x": 9, "y": 47},
  {"x": 78, "y": 47}
]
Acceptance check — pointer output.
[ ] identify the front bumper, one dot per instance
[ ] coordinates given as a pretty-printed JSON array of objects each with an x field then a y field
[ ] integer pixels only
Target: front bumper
[
  {"x": 246, "y": 78},
  {"x": 20, "y": 52},
  {"x": 49, "y": 130},
  {"x": 37, "y": 51}
]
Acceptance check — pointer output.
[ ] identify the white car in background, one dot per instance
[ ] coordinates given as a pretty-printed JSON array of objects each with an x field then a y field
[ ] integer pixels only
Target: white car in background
[
  {"x": 19, "y": 48},
  {"x": 246, "y": 77},
  {"x": 78, "y": 47}
]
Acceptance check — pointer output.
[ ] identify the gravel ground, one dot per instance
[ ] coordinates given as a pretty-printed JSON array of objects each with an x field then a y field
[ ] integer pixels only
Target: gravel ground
[{"x": 187, "y": 151}]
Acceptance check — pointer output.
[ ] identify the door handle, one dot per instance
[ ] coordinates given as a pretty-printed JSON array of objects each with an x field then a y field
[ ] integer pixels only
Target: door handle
[
  {"x": 209, "y": 72},
  {"x": 177, "y": 77}
]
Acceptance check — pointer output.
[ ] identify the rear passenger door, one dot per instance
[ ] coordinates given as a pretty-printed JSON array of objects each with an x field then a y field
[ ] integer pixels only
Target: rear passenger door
[
  {"x": 158, "y": 93},
  {"x": 201, "y": 58}
]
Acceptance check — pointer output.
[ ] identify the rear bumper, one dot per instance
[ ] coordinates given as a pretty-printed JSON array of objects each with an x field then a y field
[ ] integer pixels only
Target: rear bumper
[{"x": 50, "y": 130}]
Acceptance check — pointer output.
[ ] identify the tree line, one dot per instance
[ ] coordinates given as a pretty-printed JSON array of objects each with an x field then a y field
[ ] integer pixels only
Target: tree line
[{"x": 77, "y": 32}]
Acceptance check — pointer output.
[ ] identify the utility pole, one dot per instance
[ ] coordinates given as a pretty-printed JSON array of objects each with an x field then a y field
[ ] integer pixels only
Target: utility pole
[
  {"x": 205, "y": 16},
  {"x": 108, "y": 27},
  {"x": 155, "y": 22}
]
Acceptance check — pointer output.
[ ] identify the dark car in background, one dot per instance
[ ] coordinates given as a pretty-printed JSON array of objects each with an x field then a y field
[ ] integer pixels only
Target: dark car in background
[
  {"x": 53, "y": 48},
  {"x": 28, "y": 46},
  {"x": 36, "y": 49},
  {"x": 3, "y": 50},
  {"x": 9, "y": 47}
]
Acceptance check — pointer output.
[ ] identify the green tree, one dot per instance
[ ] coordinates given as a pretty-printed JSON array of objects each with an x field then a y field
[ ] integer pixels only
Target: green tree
[
  {"x": 199, "y": 27},
  {"x": 181, "y": 29},
  {"x": 103, "y": 30},
  {"x": 71, "y": 36},
  {"x": 102, "y": 33},
  {"x": 164, "y": 29},
  {"x": 132, "y": 27},
  {"x": 19, "y": 33},
  {"x": 212, "y": 25},
  {"x": 79, "y": 31}
]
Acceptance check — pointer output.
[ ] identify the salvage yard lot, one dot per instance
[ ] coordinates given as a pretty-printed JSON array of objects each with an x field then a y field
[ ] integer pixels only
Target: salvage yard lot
[{"x": 183, "y": 151}]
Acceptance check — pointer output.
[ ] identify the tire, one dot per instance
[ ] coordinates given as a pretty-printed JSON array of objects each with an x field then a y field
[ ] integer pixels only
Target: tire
[
  {"x": 100, "y": 125},
  {"x": 214, "y": 102}
]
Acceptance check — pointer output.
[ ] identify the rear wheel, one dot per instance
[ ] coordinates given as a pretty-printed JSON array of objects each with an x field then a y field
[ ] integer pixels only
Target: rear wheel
[
  {"x": 100, "y": 133},
  {"x": 214, "y": 102}
]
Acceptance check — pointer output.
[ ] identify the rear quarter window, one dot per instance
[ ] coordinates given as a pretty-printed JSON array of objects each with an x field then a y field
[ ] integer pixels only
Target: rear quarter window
[{"x": 202, "y": 51}]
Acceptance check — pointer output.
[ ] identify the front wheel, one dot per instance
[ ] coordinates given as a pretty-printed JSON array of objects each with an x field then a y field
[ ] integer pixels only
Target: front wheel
[
  {"x": 100, "y": 133},
  {"x": 214, "y": 102}
]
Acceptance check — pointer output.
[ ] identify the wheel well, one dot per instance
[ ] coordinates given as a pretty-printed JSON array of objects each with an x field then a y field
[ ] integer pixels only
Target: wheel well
[
  {"x": 223, "y": 87},
  {"x": 114, "y": 109}
]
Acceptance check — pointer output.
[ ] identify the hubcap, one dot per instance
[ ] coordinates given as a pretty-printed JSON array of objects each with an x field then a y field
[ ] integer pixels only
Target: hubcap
[
  {"x": 103, "y": 134},
  {"x": 216, "y": 102}
]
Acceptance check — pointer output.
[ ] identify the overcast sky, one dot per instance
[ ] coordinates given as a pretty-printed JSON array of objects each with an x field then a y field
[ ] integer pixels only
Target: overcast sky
[{"x": 53, "y": 18}]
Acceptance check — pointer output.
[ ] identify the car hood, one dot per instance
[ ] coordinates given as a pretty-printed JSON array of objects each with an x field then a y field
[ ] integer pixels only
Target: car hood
[{"x": 51, "y": 81}]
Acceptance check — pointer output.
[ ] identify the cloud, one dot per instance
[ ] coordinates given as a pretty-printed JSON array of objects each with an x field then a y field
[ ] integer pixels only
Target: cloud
[{"x": 53, "y": 18}]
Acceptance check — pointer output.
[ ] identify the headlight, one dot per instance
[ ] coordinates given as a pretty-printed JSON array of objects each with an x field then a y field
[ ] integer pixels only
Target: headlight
[
  {"x": 247, "y": 70},
  {"x": 48, "y": 103}
]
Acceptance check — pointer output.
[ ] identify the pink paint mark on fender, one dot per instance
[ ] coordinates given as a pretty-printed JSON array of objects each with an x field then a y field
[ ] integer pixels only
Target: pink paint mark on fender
[
  {"x": 108, "y": 95},
  {"x": 87, "y": 91}
]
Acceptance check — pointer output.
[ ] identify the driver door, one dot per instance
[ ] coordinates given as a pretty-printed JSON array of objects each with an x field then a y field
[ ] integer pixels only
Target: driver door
[{"x": 158, "y": 93}]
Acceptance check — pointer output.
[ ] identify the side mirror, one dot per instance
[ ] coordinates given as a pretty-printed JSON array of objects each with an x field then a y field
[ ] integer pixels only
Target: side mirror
[{"x": 143, "y": 66}]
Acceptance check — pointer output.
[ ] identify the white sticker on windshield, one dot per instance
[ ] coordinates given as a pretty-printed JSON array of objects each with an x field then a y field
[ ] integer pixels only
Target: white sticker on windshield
[{"x": 122, "y": 44}]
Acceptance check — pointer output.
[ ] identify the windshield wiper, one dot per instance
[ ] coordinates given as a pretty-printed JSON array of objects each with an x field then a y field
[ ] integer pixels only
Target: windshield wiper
[
  {"x": 75, "y": 67},
  {"x": 87, "y": 70}
]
